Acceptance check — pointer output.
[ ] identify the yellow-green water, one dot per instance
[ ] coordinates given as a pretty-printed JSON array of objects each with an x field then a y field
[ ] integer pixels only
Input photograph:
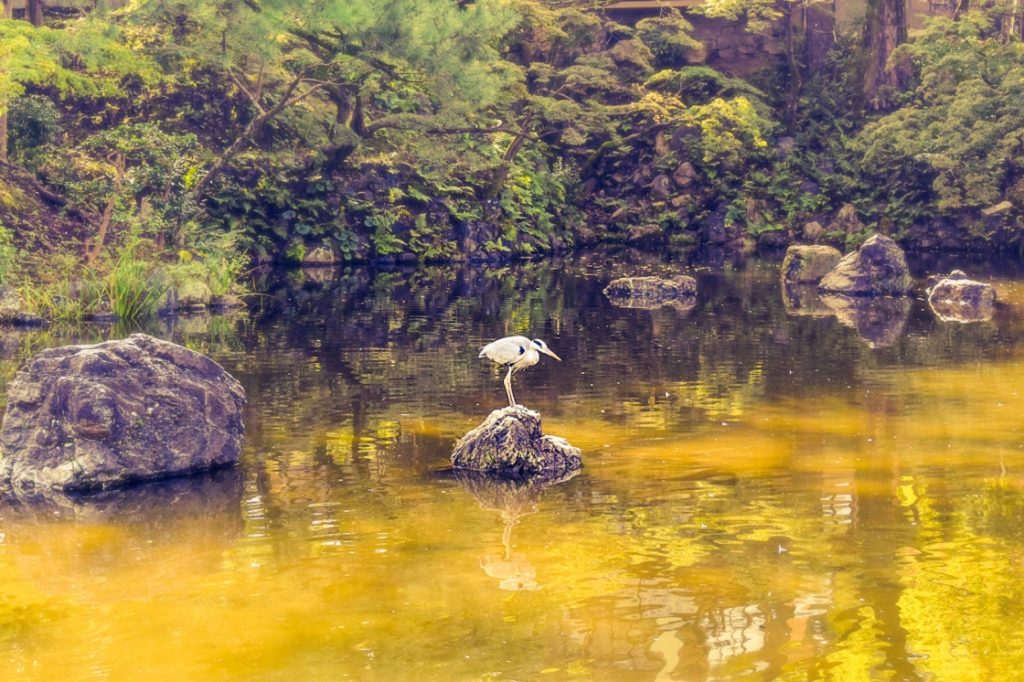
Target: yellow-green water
[{"x": 764, "y": 497}]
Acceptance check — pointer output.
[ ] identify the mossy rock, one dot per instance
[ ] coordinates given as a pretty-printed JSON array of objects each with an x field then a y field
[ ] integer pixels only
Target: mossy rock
[
  {"x": 193, "y": 294},
  {"x": 808, "y": 263},
  {"x": 510, "y": 443}
]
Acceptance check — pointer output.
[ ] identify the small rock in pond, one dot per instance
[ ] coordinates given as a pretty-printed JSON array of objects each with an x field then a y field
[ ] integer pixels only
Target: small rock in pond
[
  {"x": 97, "y": 417},
  {"x": 510, "y": 443},
  {"x": 653, "y": 292},
  {"x": 956, "y": 298}
]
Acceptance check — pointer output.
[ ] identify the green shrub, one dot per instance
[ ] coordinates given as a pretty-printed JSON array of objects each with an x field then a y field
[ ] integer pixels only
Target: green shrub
[
  {"x": 134, "y": 287},
  {"x": 33, "y": 121},
  {"x": 8, "y": 253}
]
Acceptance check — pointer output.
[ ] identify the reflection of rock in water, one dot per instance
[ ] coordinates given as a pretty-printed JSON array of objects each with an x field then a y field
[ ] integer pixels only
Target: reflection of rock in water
[
  {"x": 517, "y": 497},
  {"x": 512, "y": 499},
  {"x": 878, "y": 321},
  {"x": 803, "y": 300},
  {"x": 649, "y": 293},
  {"x": 214, "y": 494}
]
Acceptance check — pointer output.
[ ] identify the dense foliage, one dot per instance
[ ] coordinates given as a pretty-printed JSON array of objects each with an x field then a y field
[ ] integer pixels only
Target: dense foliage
[{"x": 189, "y": 132}]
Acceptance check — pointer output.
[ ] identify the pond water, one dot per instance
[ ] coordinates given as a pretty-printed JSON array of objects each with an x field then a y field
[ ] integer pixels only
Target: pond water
[{"x": 765, "y": 495}]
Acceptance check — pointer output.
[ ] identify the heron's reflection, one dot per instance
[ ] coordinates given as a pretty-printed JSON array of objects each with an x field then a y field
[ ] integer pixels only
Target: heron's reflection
[{"x": 513, "y": 499}]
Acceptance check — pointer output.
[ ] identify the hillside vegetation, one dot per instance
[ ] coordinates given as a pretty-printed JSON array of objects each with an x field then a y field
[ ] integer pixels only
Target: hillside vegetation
[{"x": 189, "y": 138}]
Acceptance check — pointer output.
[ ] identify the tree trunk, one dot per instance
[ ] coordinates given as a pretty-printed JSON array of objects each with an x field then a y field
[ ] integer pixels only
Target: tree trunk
[
  {"x": 796, "y": 80},
  {"x": 819, "y": 35},
  {"x": 6, "y": 12},
  {"x": 93, "y": 250},
  {"x": 1012, "y": 23},
  {"x": 34, "y": 12},
  {"x": 498, "y": 183},
  {"x": 885, "y": 29},
  {"x": 248, "y": 134}
]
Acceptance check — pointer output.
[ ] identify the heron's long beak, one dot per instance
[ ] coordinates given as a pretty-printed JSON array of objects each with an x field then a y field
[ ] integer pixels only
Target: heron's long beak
[{"x": 547, "y": 351}]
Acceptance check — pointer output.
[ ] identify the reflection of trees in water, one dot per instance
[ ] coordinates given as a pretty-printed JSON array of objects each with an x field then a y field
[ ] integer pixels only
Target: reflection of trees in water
[{"x": 356, "y": 352}]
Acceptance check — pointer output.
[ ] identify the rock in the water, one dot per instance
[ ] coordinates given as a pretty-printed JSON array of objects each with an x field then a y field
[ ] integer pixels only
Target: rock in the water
[
  {"x": 193, "y": 294},
  {"x": 956, "y": 298},
  {"x": 879, "y": 322},
  {"x": 510, "y": 443},
  {"x": 95, "y": 417},
  {"x": 226, "y": 302},
  {"x": 808, "y": 264},
  {"x": 877, "y": 268},
  {"x": 13, "y": 309},
  {"x": 319, "y": 256},
  {"x": 653, "y": 292}
]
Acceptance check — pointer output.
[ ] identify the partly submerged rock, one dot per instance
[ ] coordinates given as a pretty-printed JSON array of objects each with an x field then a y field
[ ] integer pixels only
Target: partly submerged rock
[
  {"x": 96, "y": 417},
  {"x": 13, "y": 309},
  {"x": 510, "y": 443},
  {"x": 653, "y": 292},
  {"x": 220, "y": 302},
  {"x": 877, "y": 268},
  {"x": 808, "y": 263},
  {"x": 878, "y": 321},
  {"x": 957, "y": 298},
  {"x": 319, "y": 256},
  {"x": 193, "y": 294}
]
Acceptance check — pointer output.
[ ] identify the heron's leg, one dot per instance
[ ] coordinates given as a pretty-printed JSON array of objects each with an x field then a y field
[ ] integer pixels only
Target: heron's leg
[{"x": 508, "y": 388}]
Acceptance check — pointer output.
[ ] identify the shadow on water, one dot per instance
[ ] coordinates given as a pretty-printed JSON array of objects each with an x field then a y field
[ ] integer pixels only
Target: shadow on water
[{"x": 191, "y": 498}]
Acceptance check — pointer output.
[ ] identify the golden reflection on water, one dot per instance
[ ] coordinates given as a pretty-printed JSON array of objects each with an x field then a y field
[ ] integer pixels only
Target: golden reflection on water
[{"x": 820, "y": 510}]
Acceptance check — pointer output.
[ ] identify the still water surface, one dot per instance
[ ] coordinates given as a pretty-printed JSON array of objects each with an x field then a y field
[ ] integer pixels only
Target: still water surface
[{"x": 765, "y": 495}]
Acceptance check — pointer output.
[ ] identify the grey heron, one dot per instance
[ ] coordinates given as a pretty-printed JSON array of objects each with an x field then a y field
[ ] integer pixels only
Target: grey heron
[{"x": 516, "y": 353}]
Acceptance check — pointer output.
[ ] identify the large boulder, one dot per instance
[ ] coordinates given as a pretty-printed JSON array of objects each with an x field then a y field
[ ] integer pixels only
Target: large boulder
[
  {"x": 957, "y": 298},
  {"x": 808, "y": 264},
  {"x": 96, "y": 417},
  {"x": 877, "y": 268},
  {"x": 510, "y": 443},
  {"x": 653, "y": 292}
]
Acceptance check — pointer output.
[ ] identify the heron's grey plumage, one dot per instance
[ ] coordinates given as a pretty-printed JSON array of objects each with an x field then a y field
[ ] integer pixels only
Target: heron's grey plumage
[{"x": 516, "y": 353}]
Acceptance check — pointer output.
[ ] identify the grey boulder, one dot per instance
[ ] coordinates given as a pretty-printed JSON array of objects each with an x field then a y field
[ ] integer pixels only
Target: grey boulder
[
  {"x": 510, "y": 443},
  {"x": 96, "y": 417},
  {"x": 877, "y": 268}
]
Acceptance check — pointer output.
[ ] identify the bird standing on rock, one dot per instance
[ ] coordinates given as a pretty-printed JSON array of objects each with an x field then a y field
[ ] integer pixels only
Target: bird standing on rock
[{"x": 516, "y": 352}]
